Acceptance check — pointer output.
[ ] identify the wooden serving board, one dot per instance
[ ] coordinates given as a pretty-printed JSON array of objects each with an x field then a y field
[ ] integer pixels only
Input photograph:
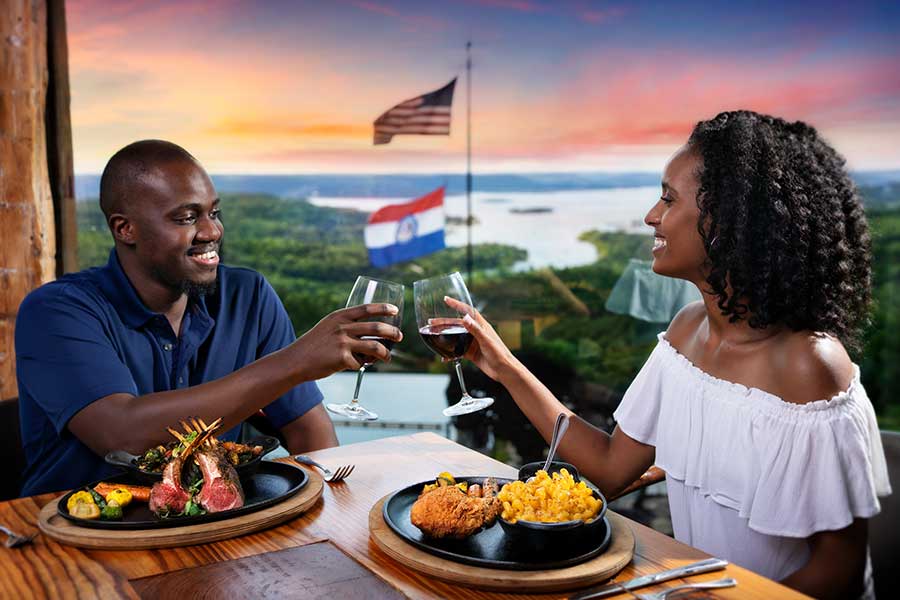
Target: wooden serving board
[
  {"x": 595, "y": 570},
  {"x": 66, "y": 532}
]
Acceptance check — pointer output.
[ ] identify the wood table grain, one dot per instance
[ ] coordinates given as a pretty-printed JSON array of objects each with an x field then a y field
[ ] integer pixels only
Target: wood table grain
[{"x": 47, "y": 569}]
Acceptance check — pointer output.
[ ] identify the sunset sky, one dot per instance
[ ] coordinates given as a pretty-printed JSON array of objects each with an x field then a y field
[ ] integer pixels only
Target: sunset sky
[{"x": 282, "y": 86}]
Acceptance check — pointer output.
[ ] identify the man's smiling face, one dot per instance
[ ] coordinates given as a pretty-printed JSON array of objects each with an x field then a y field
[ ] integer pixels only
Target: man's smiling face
[{"x": 177, "y": 231}]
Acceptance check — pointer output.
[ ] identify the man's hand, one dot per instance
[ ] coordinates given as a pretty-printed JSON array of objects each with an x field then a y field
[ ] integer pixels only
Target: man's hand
[{"x": 330, "y": 346}]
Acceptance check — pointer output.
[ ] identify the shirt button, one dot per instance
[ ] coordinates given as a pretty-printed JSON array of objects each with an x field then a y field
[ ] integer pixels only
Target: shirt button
[{"x": 167, "y": 347}]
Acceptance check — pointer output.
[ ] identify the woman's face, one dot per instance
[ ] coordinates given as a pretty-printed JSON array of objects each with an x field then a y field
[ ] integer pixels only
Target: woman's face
[{"x": 677, "y": 248}]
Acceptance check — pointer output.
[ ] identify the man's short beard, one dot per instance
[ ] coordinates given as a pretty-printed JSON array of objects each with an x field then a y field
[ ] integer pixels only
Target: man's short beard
[{"x": 194, "y": 289}]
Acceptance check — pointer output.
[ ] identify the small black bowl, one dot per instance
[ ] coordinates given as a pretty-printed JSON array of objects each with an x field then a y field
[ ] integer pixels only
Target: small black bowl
[
  {"x": 121, "y": 458},
  {"x": 543, "y": 536}
]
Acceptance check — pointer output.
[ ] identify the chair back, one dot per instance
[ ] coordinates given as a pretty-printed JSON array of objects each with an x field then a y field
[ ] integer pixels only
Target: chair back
[
  {"x": 884, "y": 528},
  {"x": 12, "y": 456}
]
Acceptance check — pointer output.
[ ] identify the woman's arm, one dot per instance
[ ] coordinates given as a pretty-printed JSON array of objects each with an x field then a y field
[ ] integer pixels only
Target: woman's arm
[
  {"x": 836, "y": 565},
  {"x": 610, "y": 462}
]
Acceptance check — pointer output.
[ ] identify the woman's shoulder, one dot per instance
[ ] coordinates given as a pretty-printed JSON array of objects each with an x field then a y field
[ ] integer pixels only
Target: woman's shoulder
[
  {"x": 684, "y": 326},
  {"x": 810, "y": 366},
  {"x": 798, "y": 367}
]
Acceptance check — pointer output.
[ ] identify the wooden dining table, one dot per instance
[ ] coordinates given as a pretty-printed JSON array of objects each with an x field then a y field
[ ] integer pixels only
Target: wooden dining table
[{"x": 326, "y": 552}]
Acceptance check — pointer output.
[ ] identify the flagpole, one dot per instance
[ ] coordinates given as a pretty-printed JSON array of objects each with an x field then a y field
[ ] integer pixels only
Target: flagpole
[{"x": 469, "y": 159}]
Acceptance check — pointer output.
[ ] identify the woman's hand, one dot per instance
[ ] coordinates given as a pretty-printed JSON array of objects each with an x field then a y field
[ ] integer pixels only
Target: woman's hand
[{"x": 487, "y": 351}]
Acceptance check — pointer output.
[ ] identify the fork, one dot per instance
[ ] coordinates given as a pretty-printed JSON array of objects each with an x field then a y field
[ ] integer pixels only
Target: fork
[
  {"x": 339, "y": 474},
  {"x": 703, "y": 585},
  {"x": 14, "y": 539}
]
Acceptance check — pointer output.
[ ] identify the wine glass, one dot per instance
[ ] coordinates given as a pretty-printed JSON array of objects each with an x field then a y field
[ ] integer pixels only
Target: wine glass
[
  {"x": 365, "y": 291},
  {"x": 442, "y": 330}
]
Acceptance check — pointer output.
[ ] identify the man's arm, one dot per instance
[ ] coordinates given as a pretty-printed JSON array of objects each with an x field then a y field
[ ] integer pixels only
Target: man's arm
[
  {"x": 311, "y": 431},
  {"x": 135, "y": 423}
]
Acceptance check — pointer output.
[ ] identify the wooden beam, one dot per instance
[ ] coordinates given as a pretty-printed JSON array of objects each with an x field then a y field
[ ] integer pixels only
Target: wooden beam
[
  {"x": 27, "y": 232},
  {"x": 59, "y": 139}
]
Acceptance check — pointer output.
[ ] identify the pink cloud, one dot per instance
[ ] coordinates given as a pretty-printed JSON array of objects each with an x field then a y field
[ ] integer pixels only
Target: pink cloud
[
  {"x": 519, "y": 5},
  {"x": 147, "y": 13},
  {"x": 377, "y": 8},
  {"x": 657, "y": 99},
  {"x": 413, "y": 22},
  {"x": 601, "y": 16}
]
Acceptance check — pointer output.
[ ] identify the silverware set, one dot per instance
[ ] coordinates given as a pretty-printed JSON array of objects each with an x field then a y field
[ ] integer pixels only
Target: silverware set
[{"x": 703, "y": 566}]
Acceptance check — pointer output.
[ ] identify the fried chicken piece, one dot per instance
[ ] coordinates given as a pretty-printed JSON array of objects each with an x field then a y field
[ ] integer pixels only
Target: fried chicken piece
[{"x": 448, "y": 512}]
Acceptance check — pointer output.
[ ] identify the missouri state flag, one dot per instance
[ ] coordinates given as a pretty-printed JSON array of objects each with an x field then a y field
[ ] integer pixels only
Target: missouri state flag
[{"x": 401, "y": 232}]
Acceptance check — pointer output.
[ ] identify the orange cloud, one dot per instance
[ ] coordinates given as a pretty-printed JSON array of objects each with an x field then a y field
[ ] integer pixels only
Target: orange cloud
[{"x": 287, "y": 127}]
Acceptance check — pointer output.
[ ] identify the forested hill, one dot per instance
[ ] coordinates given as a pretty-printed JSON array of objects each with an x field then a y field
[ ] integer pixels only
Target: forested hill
[{"x": 410, "y": 186}]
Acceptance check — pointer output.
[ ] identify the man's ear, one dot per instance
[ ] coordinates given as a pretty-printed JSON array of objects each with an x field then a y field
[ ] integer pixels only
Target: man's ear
[{"x": 122, "y": 228}]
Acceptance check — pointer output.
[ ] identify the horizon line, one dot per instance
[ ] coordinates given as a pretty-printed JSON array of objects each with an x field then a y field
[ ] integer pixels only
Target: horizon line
[{"x": 462, "y": 173}]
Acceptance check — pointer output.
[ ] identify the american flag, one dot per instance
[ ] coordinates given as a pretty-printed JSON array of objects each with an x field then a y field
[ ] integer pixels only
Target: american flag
[{"x": 428, "y": 114}]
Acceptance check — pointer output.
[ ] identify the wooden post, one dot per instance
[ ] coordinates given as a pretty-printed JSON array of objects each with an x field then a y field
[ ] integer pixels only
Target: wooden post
[
  {"x": 27, "y": 231},
  {"x": 59, "y": 140}
]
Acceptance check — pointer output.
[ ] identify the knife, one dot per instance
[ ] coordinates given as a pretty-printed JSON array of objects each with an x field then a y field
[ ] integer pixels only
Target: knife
[{"x": 610, "y": 589}]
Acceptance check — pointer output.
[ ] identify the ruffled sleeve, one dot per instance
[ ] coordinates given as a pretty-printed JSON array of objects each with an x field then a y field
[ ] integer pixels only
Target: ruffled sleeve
[
  {"x": 638, "y": 413},
  {"x": 821, "y": 465}
]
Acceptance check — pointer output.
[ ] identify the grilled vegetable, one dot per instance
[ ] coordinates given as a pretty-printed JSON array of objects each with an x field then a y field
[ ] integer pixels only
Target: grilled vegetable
[
  {"x": 77, "y": 498},
  {"x": 121, "y": 496},
  {"x": 111, "y": 512},
  {"x": 85, "y": 510},
  {"x": 445, "y": 479},
  {"x": 139, "y": 493},
  {"x": 98, "y": 499}
]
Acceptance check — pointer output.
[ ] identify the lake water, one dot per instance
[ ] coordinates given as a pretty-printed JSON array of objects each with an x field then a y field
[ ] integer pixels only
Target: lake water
[
  {"x": 551, "y": 238},
  {"x": 404, "y": 402}
]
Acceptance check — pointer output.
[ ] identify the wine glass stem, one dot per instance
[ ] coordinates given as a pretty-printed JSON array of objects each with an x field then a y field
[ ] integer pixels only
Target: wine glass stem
[
  {"x": 362, "y": 370},
  {"x": 462, "y": 382}
]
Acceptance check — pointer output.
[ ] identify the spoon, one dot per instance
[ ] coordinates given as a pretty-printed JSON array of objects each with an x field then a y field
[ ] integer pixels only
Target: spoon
[
  {"x": 121, "y": 458},
  {"x": 559, "y": 429}
]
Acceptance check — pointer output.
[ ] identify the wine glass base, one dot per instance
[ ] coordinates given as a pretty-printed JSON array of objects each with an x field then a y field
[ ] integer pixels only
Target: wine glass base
[
  {"x": 467, "y": 405},
  {"x": 354, "y": 412}
]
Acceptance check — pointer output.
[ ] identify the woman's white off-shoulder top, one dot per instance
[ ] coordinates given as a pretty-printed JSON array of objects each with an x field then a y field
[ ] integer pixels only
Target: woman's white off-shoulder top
[{"x": 750, "y": 476}]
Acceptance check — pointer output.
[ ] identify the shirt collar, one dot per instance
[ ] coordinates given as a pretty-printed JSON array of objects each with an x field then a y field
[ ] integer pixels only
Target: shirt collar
[{"x": 121, "y": 293}]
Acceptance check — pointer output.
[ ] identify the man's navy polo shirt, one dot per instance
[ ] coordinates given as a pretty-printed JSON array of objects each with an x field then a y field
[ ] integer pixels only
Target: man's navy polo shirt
[{"x": 88, "y": 335}]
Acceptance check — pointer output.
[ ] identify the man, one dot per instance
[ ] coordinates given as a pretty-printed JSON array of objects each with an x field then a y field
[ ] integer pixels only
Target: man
[{"x": 109, "y": 357}]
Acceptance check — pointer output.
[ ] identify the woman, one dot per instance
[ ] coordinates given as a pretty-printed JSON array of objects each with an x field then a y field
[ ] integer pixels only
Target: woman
[{"x": 750, "y": 401}]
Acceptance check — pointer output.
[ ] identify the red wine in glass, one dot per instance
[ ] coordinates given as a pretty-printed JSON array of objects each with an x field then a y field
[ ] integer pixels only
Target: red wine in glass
[
  {"x": 441, "y": 328},
  {"x": 450, "y": 341},
  {"x": 389, "y": 344},
  {"x": 365, "y": 291}
]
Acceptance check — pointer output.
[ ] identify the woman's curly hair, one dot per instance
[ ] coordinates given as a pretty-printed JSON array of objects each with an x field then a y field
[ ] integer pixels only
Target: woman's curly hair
[{"x": 783, "y": 226}]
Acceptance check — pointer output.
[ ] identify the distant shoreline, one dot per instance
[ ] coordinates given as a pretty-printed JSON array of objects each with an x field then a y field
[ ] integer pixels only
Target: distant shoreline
[{"x": 411, "y": 185}]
